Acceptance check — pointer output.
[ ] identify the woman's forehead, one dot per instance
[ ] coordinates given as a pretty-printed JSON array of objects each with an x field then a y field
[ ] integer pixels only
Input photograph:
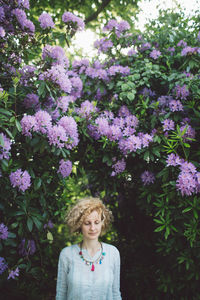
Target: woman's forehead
[{"x": 93, "y": 215}]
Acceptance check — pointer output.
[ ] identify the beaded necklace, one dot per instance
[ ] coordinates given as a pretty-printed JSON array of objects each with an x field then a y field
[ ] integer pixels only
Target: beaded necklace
[{"x": 92, "y": 262}]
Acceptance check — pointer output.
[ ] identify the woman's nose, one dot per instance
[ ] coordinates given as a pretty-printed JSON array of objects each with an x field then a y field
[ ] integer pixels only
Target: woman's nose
[{"x": 92, "y": 226}]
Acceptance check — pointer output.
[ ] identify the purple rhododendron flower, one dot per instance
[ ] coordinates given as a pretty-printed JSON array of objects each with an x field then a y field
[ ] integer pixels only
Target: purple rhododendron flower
[
  {"x": 75, "y": 22},
  {"x": 29, "y": 25},
  {"x": 173, "y": 160},
  {"x": 181, "y": 92},
  {"x": 186, "y": 183},
  {"x": 24, "y": 3},
  {"x": 102, "y": 125},
  {"x": 86, "y": 109},
  {"x": 145, "y": 46},
  {"x": 27, "y": 248},
  {"x": 188, "y": 179},
  {"x": 57, "y": 53},
  {"x": 43, "y": 120},
  {"x": 65, "y": 168},
  {"x": 175, "y": 105},
  {"x": 131, "y": 52},
  {"x": 118, "y": 167},
  {"x": 103, "y": 45},
  {"x": 49, "y": 225},
  {"x": 155, "y": 54},
  {"x": 77, "y": 86},
  {"x": 5, "y": 147},
  {"x": 58, "y": 75},
  {"x": 57, "y": 136},
  {"x": 189, "y": 133},
  {"x": 13, "y": 274},
  {"x": 147, "y": 177},
  {"x": 3, "y": 231},
  {"x": 20, "y": 16},
  {"x": 113, "y": 70},
  {"x": 28, "y": 124},
  {"x": 182, "y": 43},
  {"x": 2, "y": 32},
  {"x": 20, "y": 179},
  {"x": 131, "y": 144},
  {"x": 111, "y": 24},
  {"x": 171, "y": 49},
  {"x": 3, "y": 265},
  {"x": 46, "y": 21},
  {"x": 118, "y": 27},
  {"x": 31, "y": 101},
  {"x": 146, "y": 139},
  {"x": 2, "y": 14},
  {"x": 146, "y": 92},
  {"x": 70, "y": 126},
  {"x": 124, "y": 111},
  {"x": 189, "y": 50},
  {"x": 80, "y": 65},
  {"x": 168, "y": 125},
  {"x": 114, "y": 133},
  {"x": 63, "y": 102}
]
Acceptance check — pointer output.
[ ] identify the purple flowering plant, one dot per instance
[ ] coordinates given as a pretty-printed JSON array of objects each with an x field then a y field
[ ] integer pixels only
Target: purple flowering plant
[{"x": 120, "y": 119}]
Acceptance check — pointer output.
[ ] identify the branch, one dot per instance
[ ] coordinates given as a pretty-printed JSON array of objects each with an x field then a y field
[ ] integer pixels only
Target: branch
[{"x": 98, "y": 11}]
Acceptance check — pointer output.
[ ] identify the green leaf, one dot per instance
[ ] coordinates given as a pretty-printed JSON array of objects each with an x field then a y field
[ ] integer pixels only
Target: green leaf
[
  {"x": 37, "y": 222},
  {"x": 186, "y": 209},
  {"x": 37, "y": 183},
  {"x": 131, "y": 96},
  {"x": 50, "y": 237},
  {"x": 30, "y": 224},
  {"x": 1, "y": 141},
  {"x": 18, "y": 125},
  {"x": 158, "y": 229}
]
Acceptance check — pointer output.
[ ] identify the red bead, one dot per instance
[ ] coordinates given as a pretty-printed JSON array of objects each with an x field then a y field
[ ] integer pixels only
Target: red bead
[
  {"x": 92, "y": 267},
  {"x": 80, "y": 253}
]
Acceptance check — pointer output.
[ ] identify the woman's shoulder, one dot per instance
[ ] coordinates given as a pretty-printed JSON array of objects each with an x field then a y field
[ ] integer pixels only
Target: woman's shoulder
[
  {"x": 111, "y": 248},
  {"x": 68, "y": 250}
]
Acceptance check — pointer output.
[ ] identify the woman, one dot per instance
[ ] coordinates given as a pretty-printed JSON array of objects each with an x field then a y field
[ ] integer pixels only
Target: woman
[{"x": 91, "y": 269}]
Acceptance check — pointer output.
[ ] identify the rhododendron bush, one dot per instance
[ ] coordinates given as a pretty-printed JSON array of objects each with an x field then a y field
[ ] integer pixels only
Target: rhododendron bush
[{"x": 129, "y": 119}]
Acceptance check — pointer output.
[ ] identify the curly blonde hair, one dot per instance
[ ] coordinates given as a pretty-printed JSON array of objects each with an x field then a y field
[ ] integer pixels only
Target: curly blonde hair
[{"x": 83, "y": 208}]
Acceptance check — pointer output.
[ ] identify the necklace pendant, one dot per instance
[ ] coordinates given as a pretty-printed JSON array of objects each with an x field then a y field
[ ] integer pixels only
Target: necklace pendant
[{"x": 92, "y": 269}]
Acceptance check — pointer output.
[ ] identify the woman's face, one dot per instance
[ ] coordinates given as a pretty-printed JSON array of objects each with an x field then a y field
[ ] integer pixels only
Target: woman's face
[{"x": 91, "y": 227}]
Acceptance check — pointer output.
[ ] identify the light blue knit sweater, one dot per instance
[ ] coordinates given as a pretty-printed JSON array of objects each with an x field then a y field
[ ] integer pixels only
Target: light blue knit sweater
[{"x": 76, "y": 281}]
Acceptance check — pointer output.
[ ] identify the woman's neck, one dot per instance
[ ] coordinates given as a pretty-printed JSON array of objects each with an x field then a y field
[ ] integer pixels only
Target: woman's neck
[{"x": 92, "y": 246}]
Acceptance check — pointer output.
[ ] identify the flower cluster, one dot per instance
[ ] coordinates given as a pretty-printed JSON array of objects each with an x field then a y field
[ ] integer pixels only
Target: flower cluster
[
  {"x": 86, "y": 109},
  {"x": 181, "y": 92},
  {"x": 46, "y": 21},
  {"x": 13, "y": 273},
  {"x": 75, "y": 23},
  {"x": 65, "y": 168},
  {"x": 27, "y": 247},
  {"x": 118, "y": 27},
  {"x": 155, "y": 54},
  {"x": 62, "y": 134},
  {"x": 188, "y": 181},
  {"x": 3, "y": 232},
  {"x": 5, "y": 146},
  {"x": 31, "y": 101},
  {"x": 147, "y": 177},
  {"x": 22, "y": 19},
  {"x": 3, "y": 265},
  {"x": 118, "y": 167},
  {"x": 20, "y": 179},
  {"x": 57, "y": 54},
  {"x": 103, "y": 45},
  {"x": 58, "y": 75}
]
